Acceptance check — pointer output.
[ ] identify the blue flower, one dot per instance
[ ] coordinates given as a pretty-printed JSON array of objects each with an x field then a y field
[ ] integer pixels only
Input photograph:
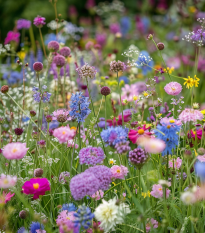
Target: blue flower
[
  {"x": 53, "y": 124},
  {"x": 35, "y": 226},
  {"x": 125, "y": 25},
  {"x": 13, "y": 77},
  {"x": 44, "y": 87},
  {"x": 83, "y": 217},
  {"x": 52, "y": 37},
  {"x": 69, "y": 207},
  {"x": 125, "y": 79},
  {"x": 114, "y": 135},
  {"x": 200, "y": 169},
  {"x": 79, "y": 107},
  {"x": 46, "y": 97},
  {"x": 22, "y": 230},
  {"x": 145, "y": 62},
  {"x": 37, "y": 97}
]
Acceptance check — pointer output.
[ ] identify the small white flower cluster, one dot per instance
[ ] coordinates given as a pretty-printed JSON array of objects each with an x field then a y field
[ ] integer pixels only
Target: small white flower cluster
[
  {"x": 105, "y": 8},
  {"x": 132, "y": 54},
  {"x": 177, "y": 102},
  {"x": 49, "y": 161},
  {"x": 4, "y": 49},
  {"x": 53, "y": 25},
  {"x": 143, "y": 60}
]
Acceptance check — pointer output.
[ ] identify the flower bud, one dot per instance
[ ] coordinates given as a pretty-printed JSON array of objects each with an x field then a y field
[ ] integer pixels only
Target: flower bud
[
  {"x": 4, "y": 89},
  {"x": 160, "y": 46}
]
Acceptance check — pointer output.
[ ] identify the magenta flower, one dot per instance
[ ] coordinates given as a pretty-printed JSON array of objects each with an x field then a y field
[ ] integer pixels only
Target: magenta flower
[
  {"x": 151, "y": 223},
  {"x": 63, "y": 134},
  {"x": 157, "y": 191},
  {"x": 5, "y": 197},
  {"x": 23, "y": 23},
  {"x": 98, "y": 195},
  {"x": 177, "y": 163},
  {"x": 12, "y": 36},
  {"x": 15, "y": 150},
  {"x": 133, "y": 135},
  {"x": 173, "y": 88},
  {"x": 7, "y": 181},
  {"x": 189, "y": 115},
  {"x": 39, "y": 21},
  {"x": 119, "y": 172},
  {"x": 114, "y": 28},
  {"x": 36, "y": 186}
]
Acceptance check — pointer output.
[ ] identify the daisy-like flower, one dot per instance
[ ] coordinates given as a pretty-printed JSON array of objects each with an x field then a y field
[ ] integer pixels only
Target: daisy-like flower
[
  {"x": 112, "y": 161},
  {"x": 151, "y": 145},
  {"x": 63, "y": 134},
  {"x": 5, "y": 197},
  {"x": 133, "y": 135},
  {"x": 189, "y": 82},
  {"x": 7, "y": 181},
  {"x": 196, "y": 81},
  {"x": 15, "y": 150},
  {"x": 169, "y": 70},
  {"x": 119, "y": 172},
  {"x": 188, "y": 198},
  {"x": 157, "y": 191}
]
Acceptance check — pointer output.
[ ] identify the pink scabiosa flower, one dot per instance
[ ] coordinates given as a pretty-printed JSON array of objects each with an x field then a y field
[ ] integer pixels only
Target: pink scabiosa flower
[
  {"x": 61, "y": 115},
  {"x": 15, "y": 150},
  {"x": 39, "y": 21},
  {"x": 5, "y": 197},
  {"x": 12, "y": 37},
  {"x": 173, "y": 88},
  {"x": 63, "y": 134},
  {"x": 175, "y": 163},
  {"x": 98, "y": 195},
  {"x": 151, "y": 223},
  {"x": 59, "y": 61},
  {"x": 36, "y": 186},
  {"x": 189, "y": 115},
  {"x": 7, "y": 181},
  {"x": 157, "y": 191},
  {"x": 119, "y": 172},
  {"x": 133, "y": 135}
]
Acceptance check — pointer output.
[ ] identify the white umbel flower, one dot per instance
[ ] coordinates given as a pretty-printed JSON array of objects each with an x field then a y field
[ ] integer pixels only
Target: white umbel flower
[
  {"x": 188, "y": 198},
  {"x": 110, "y": 214}
]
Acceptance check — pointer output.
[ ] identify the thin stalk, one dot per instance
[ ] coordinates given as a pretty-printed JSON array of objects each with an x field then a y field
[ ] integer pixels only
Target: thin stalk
[
  {"x": 119, "y": 89},
  {"x": 105, "y": 114},
  {"x": 79, "y": 138},
  {"x": 44, "y": 50},
  {"x": 64, "y": 98},
  {"x": 32, "y": 38},
  {"x": 0, "y": 136},
  {"x": 167, "y": 175}
]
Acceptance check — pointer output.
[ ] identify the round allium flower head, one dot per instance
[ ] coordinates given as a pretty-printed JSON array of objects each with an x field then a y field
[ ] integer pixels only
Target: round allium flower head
[
  {"x": 63, "y": 134},
  {"x": 4, "y": 89},
  {"x": 32, "y": 113},
  {"x": 117, "y": 66},
  {"x": 105, "y": 91},
  {"x": 36, "y": 186},
  {"x": 173, "y": 88},
  {"x": 15, "y": 150},
  {"x": 37, "y": 66},
  {"x": 7, "y": 181},
  {"x": 23, "y": 214},
  {"x": 53, "y": 46},
  {"x": 63, "y": 178},
  {"x": 38, "y": 172},
  {"x": 91, "y": 155},
  {"x": 119, "y": 172},
  {"x": 18, "y": 131},
  {"x": 49, "y": 118},
  {"x": 86, "y": 71},
  {"x": 59, "y": 60},
  {"x": 122, "y": 147},
  {"x": 61, "y": 115},
  {"x": 41, "y": 143},
  {"x": 65, "y": 51},
  {"x": 83, "y": 184},
  {"x": 160, "y": 46},
  {"x": 138, "y": 157},
  {"x": 103, "y": 174},
  {"x": 189, "y": 115},
  {"x": 39, "y": 21}
]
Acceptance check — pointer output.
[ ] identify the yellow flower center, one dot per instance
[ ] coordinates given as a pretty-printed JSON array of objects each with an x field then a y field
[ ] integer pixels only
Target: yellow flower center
[
  {"x": 172, "y": 121},
  {"x": 168, "y": 126},
  {"x": 173, "y": 88},
  {"x": 68, "y": 218},
  {"x": 73, "y": 128},
  {"x": 160, "y": 189},
  {"x": 6, "y": 181},
  {"x": 118, "y": 170},
  {"x": 64, "y": 132},
  {"x": 140, "y": 131},
  {"x": 14, "y": 150},
  {"x": 36, "y": 186},
  {"x": 111, "y": 162}
]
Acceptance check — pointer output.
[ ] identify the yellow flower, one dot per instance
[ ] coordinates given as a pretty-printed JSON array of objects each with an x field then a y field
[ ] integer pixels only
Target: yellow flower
[
  {"x": 21, "y": 55},
  {"x": 125, "y": 101},
  {"x": 169, "y": 70},
  {"x": 145, "y": 94},
  {"x": 195, "y": 152},
  {"x": 188, "y": 82},
  {"x": 192, "y": 9},
  {"x": 196, "y": 81},
  {"x": 146, "y": 194},
  {"x": 203, "y": 111},
  {"x": 135, "y": 97}
]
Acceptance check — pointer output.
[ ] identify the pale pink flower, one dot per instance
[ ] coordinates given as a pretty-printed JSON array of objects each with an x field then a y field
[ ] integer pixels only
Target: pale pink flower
[
  {"x": 71, "y": 144},
  {"x": 189, "y": 115},
  {"x": 7, "y": 181},
  {"x": 15, "y": 150},
  {"x": 201, "y": 158},
  {"x": 157, "y": 191},
  {"x": 5, "y": 197},
  {"x": 177, "y": 163},
  {"x": 124, "y": 194},
  {"x": 61, "y": 113},
  {"x": 169, "y": 120},
  {"x": 129, "y": 91},
  {"x": 119, "y": 172},
  {"x": 153, "y": 145},
  {"x": 63, "y": 134},
  {"x": 40, "y": 231},
  {"x": 173, "y": 88},
  {"x": 98, "y": 195},
  {"x": 151, "y": 223},
  {"x": 136, "y": 191}
]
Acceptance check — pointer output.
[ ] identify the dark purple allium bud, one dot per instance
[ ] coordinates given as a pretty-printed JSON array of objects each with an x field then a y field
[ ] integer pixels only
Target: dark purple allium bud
[
  {"x": 160, "y": 46},
  {"x": 18, "y": 131},
  {"x": 65, "y": 51},
  {"x": 62, "y": 118},
  {"x": 49, "y": 118},
  {"x": 37, "y": 66},
  {"x": 42, "y": 143},
  {"x": 105, "y": 91},
  {"x": 134, "y": 124},
  {"x": 38, "y": 172},
  {"x": 201, "y": 151},
  {"x": 1, "y": 120},
  {"x": 117, "y": 66},
  {"x": 122, "y": 147},
  {"x": 50, "y": 132},
  {"x": 59, "y": 60},
  {"x": 138, "y": 157},
  {"x": 32, "y": 113},
  {"x": 4, "y": 89},
  {"x": 23, "y": 214},
  {"x": 83, "y": 87},
  {"x": 150, "y": 37},
  {"x": 53, "y": 46}
]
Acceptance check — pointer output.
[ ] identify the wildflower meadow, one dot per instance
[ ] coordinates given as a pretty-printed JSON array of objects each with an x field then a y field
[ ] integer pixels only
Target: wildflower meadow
[{"x": 102, "y": 118}]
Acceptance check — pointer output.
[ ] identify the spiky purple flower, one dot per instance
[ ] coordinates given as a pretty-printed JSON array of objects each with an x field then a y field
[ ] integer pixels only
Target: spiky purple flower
[
  {"x": 86, "y": 71},
  {"x": 117, "y": 66},
  {"x": 23, "y": 23},
  {"x": 122, "y": 147},
  {"x": 138, "y": 157}
]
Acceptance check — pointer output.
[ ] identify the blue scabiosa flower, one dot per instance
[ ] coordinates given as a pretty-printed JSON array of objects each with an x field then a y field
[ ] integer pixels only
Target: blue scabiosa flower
[
  {"x": 79, "y": 107},
  {"x": 145, "y": 62},
  {"x": 167, "y": 132},
  {"x": 69, "y": 207},
  {"x": 35, "y": 226},
  {"x": 114, "y": 135},
  {"x": 83, "y": 217}
]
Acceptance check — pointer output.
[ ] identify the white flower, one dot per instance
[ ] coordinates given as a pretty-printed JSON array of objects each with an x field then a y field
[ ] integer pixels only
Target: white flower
[
  {"x": 110, "y": 214},
  {"x": 112, "y": 161},
  {"x": 188, "y": 198}
]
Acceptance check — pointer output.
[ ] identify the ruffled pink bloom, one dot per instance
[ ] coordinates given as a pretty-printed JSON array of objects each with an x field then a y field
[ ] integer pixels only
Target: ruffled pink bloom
[
  {"x": 157, "y": 191},
  {"x": 63, "y": 134},
  {"x": 189, "y": 115},
  {"x": 15, "y": 150},
  {"x": 168, "y": 120},
  {"x": 5, "y": 197},
  {"x": 177, "y": 163},
  {"x": 39, "y": 21},
  {"x": 119, "y": 172},
  {"x": 201, "y": 158},
  {"x": 133, "y": 135},
  {"x": 173, "y": 88},
  {"x": 61, "y": 112},
  {"x": 12, "y": 36},
  {"x": 36, "y": 186},
  {"x": 151, "y": 223},
  {"x": 7, "y": 181},
  {"x": 65, "y": 222},
  {"x": 98, "y": 195}
]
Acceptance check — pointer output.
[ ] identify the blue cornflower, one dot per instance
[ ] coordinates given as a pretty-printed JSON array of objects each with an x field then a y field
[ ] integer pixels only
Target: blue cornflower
[
  {"x": 114, "y": 135},
  {"x": 83, "y": 217},
  {"x": 35, "y": 226},
  {"x": 199, "y": 168},
  {"x": 45, "y": 96},
  {"x": 79, "y": 107},
  {"x": 13, "y": 77},
  {"x": 125, "y": 25},
  {"x": 145, "y": 62},
  {"x": 22, "y": 230},
  {"x": 69, "y": 207},
  {"x": 168, "y": 133}
]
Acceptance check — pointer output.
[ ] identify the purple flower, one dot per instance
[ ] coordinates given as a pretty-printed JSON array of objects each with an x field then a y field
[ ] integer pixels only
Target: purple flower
[
  {"x": 39, "y": 21},
  {"x": 91, "y": 155},
  {"x": 23, "y": 23},
  {"x": 114, "y": 28},
  {"x": 101, "y": 39}
]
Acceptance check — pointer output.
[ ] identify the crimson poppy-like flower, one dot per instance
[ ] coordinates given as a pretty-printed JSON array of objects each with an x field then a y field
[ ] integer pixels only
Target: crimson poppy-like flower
[
  {"x": 133, "y": 135},
  {"x": 36, "y": 186}
]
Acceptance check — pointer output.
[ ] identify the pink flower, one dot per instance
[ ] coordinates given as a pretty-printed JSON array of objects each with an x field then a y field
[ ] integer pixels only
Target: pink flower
[
  {"x": 71, "y": 144},
  {"x": 98, "y": 195},
  {"x": 201, "y": 158},
  {"x": 177, "y": 163},
  {"x": 15, "y": 150},
  {"x": 39, "y": 21},
  {"x": 129, "y": 91},
  {"x": 174, "y": 62},
  {"x": 189, "y": 115},
  {"x": 36, "y": 186},
  {"x": 40, "y": 231},
  {"x": 151, "y": 222},
  {"x": 133, "y": 135},
  {"x": 168, "y": 120},
  {"x": 152, "y": 145},
  {"x": 173, "y": 88},
  {"x": 7, "y": 181},
  {"x": 157, "y": 191},
  {"x": 63, "y": 134},
  {"x": 119, "y": 172},
  {"x": 136, "y": 191},
  {"x": 12, "y": 36},
  {"x": 61, "y": 113},
  {"x": 6, "y": 197},
  {"x": 124, "y": 194}
]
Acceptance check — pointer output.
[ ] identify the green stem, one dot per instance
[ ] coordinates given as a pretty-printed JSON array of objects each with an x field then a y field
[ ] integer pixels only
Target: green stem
[
  {"x": 64, "y": 99},
  {"x": 105, "y": 114},
  {"x": 32, "y": 38},
  {"x": 44, "y": 50},
  {"x": 119, "y": 89},
  {"x": 0, "y": 136},
  {"x": 167, "y": 167}
]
